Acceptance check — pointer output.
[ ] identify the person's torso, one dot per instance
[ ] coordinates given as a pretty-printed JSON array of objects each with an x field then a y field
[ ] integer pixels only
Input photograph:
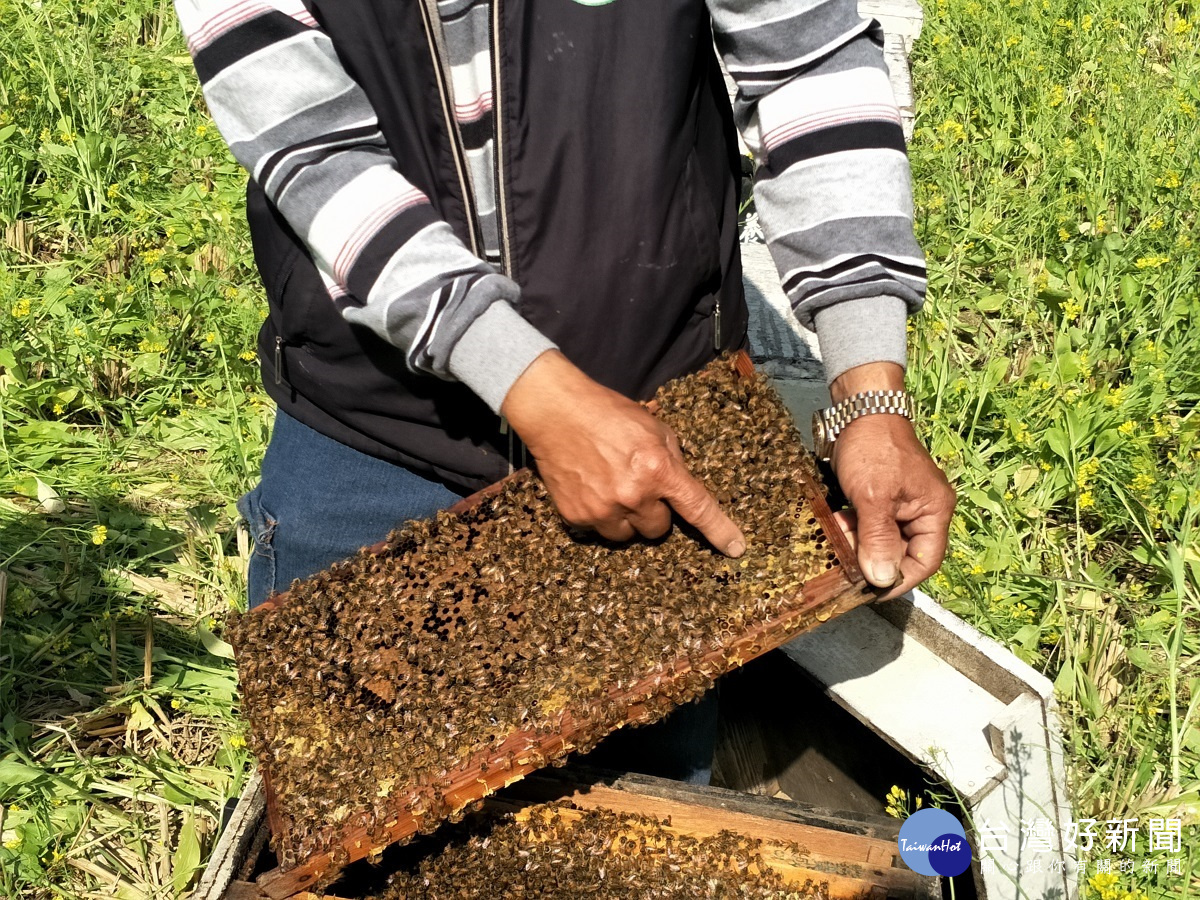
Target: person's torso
[{"x": 613, "y": 206}]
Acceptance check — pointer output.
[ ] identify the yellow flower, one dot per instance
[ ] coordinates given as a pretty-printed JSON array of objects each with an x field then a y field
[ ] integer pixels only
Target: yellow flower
[
  {"x": 176, "y": 703},
  {"x": 20, "y": 309},
  {"x": 1127, "y": 427},
  {"x": 1063, "y": 234},
  {"x": 1155, "y": 223},
  {"x": 1170, "y": 180},
  {"x": 1086, "y": 472},
  {"x": 1114, "y": 396},
  {"x": 237, "y": 741},
  {"x": 248, "y": 355},
  {"x": 210, "y": 337},
  {"x": 99, "y": 534},
  {"x": 58, "y": 409},
  {"x": 897, "y": 802},
  {"x": 1045, "y": 466},
  {"x": 1152, "y": 262},
  {"x": 1142, "y": 483},
  {"x": 1086, "y": 500},
  {"x": 952, "y": 130},
  {"x": 201, "y": 130},
  {"x": 1057, "y": 95}
]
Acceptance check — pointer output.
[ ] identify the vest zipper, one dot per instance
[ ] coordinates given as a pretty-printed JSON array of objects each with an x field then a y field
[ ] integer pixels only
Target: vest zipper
[
  {"x": 514, "y": 440},
  {"x": 278, "y": 360},
  {"x": 498, "y": 141},
  {"x": 717, "y": 326},
  {"x": 433, "y": 34}
]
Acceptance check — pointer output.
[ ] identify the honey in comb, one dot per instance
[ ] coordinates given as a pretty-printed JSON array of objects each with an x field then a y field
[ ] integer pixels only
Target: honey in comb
[{"x": 385, "y": 673}]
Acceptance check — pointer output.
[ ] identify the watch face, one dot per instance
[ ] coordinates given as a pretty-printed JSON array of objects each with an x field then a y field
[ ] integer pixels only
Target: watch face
[{"x": 820, "y": 436}]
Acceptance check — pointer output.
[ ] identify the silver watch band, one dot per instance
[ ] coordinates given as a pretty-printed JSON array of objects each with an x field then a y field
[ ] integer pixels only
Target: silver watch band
[{"x": 829, "y": 423}]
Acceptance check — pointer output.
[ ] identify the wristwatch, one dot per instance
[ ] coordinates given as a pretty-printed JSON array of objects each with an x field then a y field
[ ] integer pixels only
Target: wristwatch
[{"x": 828, "y": 423}]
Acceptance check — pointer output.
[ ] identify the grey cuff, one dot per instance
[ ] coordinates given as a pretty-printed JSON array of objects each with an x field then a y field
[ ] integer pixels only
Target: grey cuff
[
  {"x": 866, "y": 330},
  {"x": 495, "y": 350}
]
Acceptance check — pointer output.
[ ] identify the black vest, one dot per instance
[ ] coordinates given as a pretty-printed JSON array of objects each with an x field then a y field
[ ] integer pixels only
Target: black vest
[{"x": 620, "y": 177}]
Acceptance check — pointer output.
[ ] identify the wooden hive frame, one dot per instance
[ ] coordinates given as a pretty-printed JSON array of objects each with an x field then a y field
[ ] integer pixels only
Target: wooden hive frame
[
  {"x": 852, "y": 854},
  {"x": 836, "y": 590}
]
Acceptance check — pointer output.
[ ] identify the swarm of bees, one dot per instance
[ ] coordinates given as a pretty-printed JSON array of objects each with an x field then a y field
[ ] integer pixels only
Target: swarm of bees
[
  {"x": 552, "y": 852},
  {"x": 384, "y": 675}
]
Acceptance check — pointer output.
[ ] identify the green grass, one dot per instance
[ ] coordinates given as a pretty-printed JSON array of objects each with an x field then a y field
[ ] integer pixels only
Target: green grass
[
  {"x": 1055, "y": 163},
  {"x": 1055, "y": 166},
  {"x": 128, "y": 307}
]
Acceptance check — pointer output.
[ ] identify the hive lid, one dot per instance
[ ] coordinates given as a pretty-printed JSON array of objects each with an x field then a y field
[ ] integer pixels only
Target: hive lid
[{"x": 805, "y": 591}]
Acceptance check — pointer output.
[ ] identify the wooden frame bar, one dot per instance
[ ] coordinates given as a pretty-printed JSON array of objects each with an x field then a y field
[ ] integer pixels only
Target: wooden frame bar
[
  {"x": 854, "y": 854},
  {"x": 838, "y": 589}
]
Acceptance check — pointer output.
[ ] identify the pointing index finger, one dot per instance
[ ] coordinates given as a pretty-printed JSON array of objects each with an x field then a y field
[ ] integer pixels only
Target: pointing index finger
[{"x": 689, "y": 499}]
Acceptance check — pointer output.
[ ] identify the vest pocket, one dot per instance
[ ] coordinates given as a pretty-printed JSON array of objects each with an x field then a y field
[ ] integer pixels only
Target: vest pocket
[
  {"x": 277, "y": 253},
  {"x": 702, "y": 216}
]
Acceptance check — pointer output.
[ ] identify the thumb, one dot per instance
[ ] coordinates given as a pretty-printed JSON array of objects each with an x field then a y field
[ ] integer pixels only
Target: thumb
[{"x": 880, "y": 546}]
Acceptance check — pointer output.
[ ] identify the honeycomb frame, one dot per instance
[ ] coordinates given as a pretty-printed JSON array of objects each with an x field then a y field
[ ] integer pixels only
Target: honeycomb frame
[{"x": 420, "y": 806}]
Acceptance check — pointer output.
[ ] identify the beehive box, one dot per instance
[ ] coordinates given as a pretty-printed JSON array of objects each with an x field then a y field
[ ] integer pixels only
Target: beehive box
[
  {"x": 401, "y": 686},
  {"x": 585, "y": 833}
]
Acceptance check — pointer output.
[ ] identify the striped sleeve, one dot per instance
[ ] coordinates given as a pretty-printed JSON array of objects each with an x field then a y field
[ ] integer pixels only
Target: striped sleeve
[
  {"x": 833, "y": 188},
  {"x": 308, "y": 135}
]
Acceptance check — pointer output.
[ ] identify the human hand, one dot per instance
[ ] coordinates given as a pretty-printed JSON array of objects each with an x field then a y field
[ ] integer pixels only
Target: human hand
[
  {"x": 609, "y": 464},
  {"x": 902, "y": 502}
]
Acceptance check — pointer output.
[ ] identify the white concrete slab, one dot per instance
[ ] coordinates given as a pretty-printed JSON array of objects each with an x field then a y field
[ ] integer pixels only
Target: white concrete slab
[
  {"x": 893, "y": 684},
  {"x": 965, "y": 707}
]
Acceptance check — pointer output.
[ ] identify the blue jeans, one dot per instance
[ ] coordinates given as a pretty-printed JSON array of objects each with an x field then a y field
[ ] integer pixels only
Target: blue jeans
[{"x": 320, "y": 501}]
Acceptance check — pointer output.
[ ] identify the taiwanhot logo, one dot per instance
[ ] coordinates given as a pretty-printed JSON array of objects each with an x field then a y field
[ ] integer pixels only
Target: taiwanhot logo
[{"x": 933, "y": 842}]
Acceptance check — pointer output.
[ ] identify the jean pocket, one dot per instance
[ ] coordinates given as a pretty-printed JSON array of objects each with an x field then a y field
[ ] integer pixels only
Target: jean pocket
[{"x": 260, "y": 580}]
